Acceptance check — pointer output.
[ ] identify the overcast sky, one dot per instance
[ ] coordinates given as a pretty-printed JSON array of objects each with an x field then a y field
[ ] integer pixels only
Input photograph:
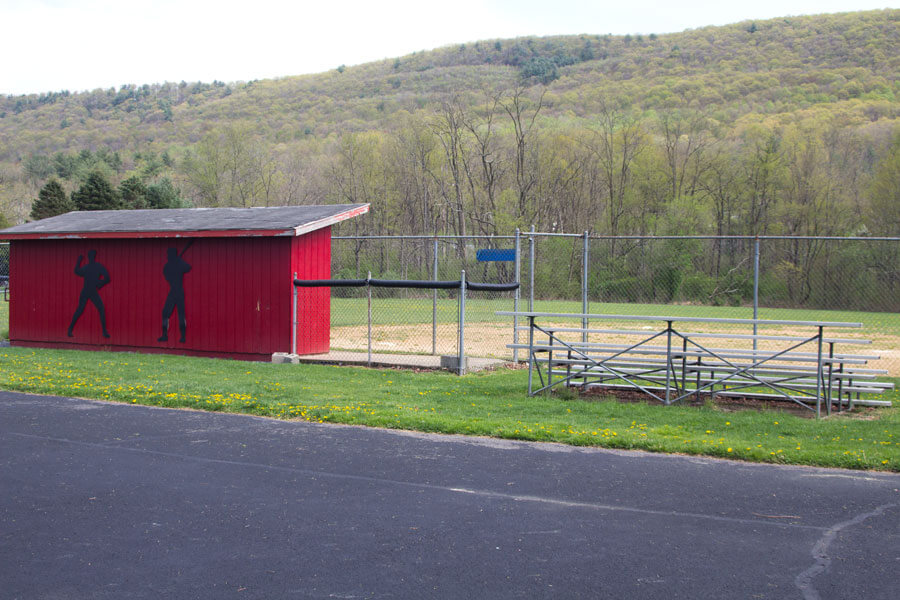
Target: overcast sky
[{"x": 52, "y": 45}]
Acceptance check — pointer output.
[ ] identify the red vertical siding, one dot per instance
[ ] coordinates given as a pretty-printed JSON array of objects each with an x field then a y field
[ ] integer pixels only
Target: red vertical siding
[
  {"x": 311, "y": 259},
  {"x": 228, "y": 268},
  {"x": 237, "y": 295},
  {"x": 264, "y": 303}
]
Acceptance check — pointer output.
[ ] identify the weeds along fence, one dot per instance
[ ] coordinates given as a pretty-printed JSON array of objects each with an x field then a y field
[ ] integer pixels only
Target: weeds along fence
[{"x": 766, "y": 277}]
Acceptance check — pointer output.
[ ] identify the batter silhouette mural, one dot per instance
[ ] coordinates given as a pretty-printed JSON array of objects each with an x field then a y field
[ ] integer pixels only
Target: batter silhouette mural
[
  {"x": 95, "y": 277},
  {"x": 174, "y": 271}
]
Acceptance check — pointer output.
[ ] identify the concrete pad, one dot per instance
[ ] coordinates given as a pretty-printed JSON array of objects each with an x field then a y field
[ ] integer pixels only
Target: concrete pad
[{"x": 280, "y": 358}]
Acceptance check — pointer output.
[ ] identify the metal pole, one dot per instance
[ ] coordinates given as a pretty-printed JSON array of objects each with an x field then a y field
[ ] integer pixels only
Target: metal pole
[
  {"x": 294, "y": 318},
  {"x": 584, "y": 289},
  {"x": 627, "y": 237},
  {"x": 516, "y": 299},
  {"x": 840, "y": 390},
  {"x": 549, "y": 389},
  {"x": 462, "y": 319},
  {"x": 531, "y": 274},
  {"x": 819, "y": 376},
  {"x": 755, "y": 288},
  {"x": 369, "y": 298},
  {"x": 830, "y": 379},
  {"x": 530, "y": 346},
  {"x": 434, "y": 302},
  {"x": 668, "y": 357},
  {"x": 699, "y": 374}
]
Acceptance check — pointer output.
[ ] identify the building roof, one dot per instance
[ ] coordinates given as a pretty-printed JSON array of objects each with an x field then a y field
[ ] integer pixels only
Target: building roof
[{"x": 187, "y": 222}]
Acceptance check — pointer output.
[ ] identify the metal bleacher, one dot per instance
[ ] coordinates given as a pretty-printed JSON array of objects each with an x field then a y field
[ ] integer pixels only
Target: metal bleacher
[{"x": 669, "y": 365}]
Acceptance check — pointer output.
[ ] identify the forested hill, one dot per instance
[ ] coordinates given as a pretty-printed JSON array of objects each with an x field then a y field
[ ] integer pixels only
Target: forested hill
[{"x": 785, "y": 126}]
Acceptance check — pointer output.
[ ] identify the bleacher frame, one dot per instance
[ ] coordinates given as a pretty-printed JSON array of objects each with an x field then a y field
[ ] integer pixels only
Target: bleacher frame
[{"x": 807, "y": 370}]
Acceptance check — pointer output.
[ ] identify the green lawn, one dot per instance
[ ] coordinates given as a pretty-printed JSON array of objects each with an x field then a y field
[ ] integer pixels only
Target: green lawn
[
  {"x": 488, "y": 404},
  {"x": 4, "y": 319}
]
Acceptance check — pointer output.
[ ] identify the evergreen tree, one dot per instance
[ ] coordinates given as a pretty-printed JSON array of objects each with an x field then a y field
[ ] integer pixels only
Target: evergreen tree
[
  {"x": 52, "y": 200},
  {"x": 541, "y": 68},
  {"x": 96, "y": 194},
  {"x": 164, "y": 195},
  {"x": 133, "y": 193}
]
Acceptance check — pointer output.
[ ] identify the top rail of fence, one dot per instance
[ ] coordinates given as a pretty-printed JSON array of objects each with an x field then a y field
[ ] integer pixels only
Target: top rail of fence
[
  {"x": 619, "y": 237},
  {"x": 596, "y": 236},
  {"x": 427, "y": 237},
  {"x": 509, "y": 313}
]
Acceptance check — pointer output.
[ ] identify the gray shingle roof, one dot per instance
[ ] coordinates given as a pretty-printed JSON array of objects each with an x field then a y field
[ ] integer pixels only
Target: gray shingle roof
[{"x": 277, "y": 220}]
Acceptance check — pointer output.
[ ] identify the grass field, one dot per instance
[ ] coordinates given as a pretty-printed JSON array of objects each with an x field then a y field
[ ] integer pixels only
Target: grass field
[
  {"x": 487, "y": 404},
  {"x": 392, "y": 311},
  {"x": 4, "y": 319}
]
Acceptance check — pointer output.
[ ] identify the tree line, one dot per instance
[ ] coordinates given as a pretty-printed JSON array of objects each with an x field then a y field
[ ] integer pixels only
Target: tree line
[
  {"x": 88, "y": 176},
  {"x": 491, "y": 166},
  {"x": 488, "y": 164},
  {"x": 488, "y": 167},
  {"x": 782, "y": 127}
]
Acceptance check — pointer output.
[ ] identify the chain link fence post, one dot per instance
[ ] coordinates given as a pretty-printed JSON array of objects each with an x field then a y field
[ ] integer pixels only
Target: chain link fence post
[
  {"x": 516, "y": 297},
  {"x": 531, "y": 273},
  {"x": 369, "y": 319},
  {"x": 434, "y": 301},
  {"x": 462, "y": 322},
  {"x": 294, "y": 316},
  {"x": 585, "y": 305},
  {"x": 755, "y": 288}
]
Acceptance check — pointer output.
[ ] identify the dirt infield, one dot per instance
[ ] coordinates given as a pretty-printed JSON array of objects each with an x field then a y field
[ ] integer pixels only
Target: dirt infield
[{"x": 490, "y": 339}]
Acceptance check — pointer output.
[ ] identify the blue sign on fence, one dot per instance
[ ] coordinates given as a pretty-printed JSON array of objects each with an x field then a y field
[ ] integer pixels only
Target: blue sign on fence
[{"x": 496, "y": 255}]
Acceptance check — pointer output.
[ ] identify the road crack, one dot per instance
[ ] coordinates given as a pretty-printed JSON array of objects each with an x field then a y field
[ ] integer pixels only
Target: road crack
[{"x": 821, "y": 559}]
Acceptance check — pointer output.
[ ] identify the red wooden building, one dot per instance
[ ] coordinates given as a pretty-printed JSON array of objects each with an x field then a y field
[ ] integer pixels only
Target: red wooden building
[{"x": 199, "y": 281}]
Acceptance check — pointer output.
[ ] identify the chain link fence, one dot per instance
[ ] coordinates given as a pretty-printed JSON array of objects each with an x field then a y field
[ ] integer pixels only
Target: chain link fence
[
  {"x": 4, "y": 276},
  {"x": 786, "y": 278},
  {"x": 420, "y": 321},
  {"x": 397, "y": 321},
  {"x": 783, "y": 278}
]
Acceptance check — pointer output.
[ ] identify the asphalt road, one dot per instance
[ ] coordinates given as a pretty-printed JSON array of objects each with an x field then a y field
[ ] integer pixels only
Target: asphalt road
[{"x": 113, "y": 501}]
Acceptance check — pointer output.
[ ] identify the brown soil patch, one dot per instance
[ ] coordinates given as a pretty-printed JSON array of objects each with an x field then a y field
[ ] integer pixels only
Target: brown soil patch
[
  {"x": 724, "y": 403},
  {"x": 489, "y": 340}
]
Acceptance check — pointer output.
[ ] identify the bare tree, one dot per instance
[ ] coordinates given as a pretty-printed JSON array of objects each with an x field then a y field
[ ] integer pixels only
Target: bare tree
[
  {"x": 413, "y": 156},
  {"x": 615, "y": 143},
  {"x": 449, "y": 129},
  {"x": 523, "y": 115},
  {"x": 685, "y": 139},
  {"x": 484, "y": 177},
  {"x": 203, "y": 170}
]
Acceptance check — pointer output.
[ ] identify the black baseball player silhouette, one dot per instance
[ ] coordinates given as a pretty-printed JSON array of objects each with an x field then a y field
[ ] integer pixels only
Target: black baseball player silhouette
[
  {"x": 174, "y": 271},
  {"x": 95, "y": 277}
]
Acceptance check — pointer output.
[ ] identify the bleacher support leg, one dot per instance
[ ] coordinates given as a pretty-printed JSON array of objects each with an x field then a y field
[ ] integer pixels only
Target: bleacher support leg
[
  {"x": 669, "y": 373},
  {"x": 819, "y": 375}
]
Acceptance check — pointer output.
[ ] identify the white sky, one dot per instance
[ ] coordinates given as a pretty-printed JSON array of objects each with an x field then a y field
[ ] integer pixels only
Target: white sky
[{"x": 52, "y": 45}]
